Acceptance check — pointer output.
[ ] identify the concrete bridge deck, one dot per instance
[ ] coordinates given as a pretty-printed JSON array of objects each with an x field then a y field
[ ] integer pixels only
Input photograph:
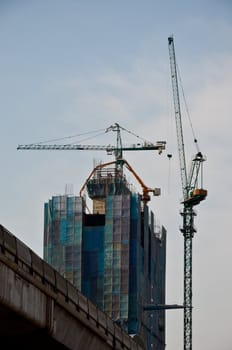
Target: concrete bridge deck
[{"x": 38, "y": 307}]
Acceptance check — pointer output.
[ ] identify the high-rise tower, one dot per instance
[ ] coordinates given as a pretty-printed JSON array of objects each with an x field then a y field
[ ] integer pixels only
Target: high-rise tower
[{"x": 115, "y": 256}]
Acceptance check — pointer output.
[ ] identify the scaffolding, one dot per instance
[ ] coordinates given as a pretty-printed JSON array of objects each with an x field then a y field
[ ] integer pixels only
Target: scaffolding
[{"x": 114, "y": 256}]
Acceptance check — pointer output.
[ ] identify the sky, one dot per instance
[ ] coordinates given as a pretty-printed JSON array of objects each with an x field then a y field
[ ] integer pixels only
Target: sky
[{"x": 71, "y": 67}]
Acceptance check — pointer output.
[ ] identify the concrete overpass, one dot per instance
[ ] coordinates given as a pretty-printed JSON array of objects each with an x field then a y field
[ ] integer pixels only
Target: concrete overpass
[{"x": 38, "y": 307}]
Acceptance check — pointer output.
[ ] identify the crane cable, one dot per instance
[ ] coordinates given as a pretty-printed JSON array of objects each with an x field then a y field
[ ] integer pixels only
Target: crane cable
[
  {"x": 71, "y": 136},
  {"x": 132, "y": 133},
  {"x": 187, "y": 110},
  {"x": 97, "y": 133},
  {"x": 88, "y": 138},
  {"x": 169, "y": 155}
]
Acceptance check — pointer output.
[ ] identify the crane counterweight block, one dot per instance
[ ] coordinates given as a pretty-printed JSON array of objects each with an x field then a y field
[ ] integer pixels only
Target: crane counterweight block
[
  {"x": 197, "y": 195},
  {"x": 156, "y": 192}
]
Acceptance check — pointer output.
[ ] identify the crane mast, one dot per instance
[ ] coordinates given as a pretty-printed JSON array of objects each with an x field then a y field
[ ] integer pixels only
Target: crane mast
[{"x": 192, "y": 195}]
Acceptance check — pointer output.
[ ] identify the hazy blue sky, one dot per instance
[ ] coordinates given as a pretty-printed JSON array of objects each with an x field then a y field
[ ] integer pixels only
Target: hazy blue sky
[{"x": 68, "y": 67}]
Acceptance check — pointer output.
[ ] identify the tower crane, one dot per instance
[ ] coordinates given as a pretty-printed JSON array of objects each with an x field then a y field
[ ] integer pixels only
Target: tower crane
[
  {"x": 192, "y": 195},
  {"x": 117, "y": 150}
]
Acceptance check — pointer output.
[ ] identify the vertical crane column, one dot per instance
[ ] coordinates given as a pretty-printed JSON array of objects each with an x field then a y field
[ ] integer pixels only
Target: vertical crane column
[
  {"x": 188, "y": 232},
  {"x": 191, "y": 197},
  {"x": 187, "y": 213}
]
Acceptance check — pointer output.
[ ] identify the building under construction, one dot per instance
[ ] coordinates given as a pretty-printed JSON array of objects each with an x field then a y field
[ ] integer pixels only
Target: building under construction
[{"x": 115, "y": 255}]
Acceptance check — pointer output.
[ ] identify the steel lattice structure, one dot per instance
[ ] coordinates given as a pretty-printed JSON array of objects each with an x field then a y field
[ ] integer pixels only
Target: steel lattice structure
[{"x": 192, "y": 196}]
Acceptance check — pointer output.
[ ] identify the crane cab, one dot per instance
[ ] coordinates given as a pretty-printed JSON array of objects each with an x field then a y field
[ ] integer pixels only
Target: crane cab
[{"x": 196, "y": 196}]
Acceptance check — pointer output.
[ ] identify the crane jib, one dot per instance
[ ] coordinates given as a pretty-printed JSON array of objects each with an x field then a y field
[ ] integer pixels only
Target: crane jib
[{"x": 159, "y": 146}]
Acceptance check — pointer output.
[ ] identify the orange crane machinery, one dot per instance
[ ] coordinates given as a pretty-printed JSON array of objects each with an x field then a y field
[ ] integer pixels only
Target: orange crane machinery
[
  {"x": 146, "y": 190},
  {"x": 192, "y": 195}
]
